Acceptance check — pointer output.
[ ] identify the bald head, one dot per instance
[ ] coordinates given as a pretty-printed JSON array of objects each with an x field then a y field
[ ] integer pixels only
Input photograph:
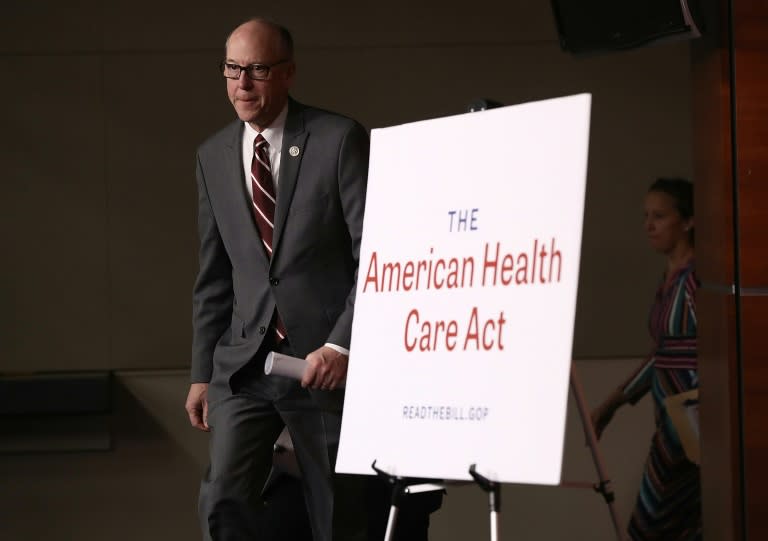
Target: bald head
[{"x": 269, "y": 30}]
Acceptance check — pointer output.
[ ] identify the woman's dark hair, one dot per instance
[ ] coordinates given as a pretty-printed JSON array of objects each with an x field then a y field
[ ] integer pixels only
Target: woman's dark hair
[{"x": 681, "y": 191}]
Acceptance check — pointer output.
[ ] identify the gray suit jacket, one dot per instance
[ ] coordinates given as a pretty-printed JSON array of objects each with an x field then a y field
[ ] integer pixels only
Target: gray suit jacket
[{"x": 312, "y": 275}]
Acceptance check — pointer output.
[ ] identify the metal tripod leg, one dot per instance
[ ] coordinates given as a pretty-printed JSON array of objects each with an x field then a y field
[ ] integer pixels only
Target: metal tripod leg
[
  {"x": 398, "y": 485},
  {"x": 604, "y": 487},
  {"x": 494, "y": 499},
  {"x": 392, "y": 521},
  {"x": 401, "y": 487}
]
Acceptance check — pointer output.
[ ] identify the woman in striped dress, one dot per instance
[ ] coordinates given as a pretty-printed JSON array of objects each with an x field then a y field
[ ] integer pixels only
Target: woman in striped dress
[{"x": 668, "y": 507}]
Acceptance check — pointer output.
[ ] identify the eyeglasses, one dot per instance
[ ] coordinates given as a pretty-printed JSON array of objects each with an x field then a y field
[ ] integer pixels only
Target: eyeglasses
[{"x": 256, "y": 72}]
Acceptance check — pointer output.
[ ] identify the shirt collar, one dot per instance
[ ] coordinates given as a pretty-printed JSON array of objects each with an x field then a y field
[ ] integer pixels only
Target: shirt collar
[{"x": 272, "y": 133}]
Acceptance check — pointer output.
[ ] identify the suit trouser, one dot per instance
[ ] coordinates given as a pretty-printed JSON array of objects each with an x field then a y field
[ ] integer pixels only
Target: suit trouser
[{"x": 244, "y": 425}]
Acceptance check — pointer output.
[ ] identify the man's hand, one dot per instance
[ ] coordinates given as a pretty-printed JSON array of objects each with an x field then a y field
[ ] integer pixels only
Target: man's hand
[
  {"x": 197, "y": 406},
  {"x": 327, "y": 369}
]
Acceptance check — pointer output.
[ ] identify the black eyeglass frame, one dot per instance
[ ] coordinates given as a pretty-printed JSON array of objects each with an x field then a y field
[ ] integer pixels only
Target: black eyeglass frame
[{"x": 248, "y": 69}]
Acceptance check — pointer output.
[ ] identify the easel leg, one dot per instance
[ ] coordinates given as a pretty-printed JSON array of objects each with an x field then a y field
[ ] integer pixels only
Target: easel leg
[
  {"x": 494, "y": 526},
  {"x": 398, "y": 485},
  {"x": 393, "y": 511},
  {"x": 494, "y": 499},
  {"x": 604, "y": 487}
]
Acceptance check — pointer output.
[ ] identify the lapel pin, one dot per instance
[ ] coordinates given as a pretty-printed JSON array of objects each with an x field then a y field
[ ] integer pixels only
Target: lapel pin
[{"x": 293, "y": 151}]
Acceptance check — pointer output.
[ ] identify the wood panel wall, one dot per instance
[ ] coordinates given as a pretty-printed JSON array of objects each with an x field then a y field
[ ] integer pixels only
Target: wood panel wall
[
  {"x": 750, "y": 84},
  {"x": 730, "y": 115}
]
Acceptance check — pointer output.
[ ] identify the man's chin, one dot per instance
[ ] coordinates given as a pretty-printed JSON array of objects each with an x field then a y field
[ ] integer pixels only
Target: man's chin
[{"x": 248, "y": 114}]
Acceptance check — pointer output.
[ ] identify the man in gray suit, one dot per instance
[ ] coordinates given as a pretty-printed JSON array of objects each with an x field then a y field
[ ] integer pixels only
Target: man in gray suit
[{"x": 281, "y": 198}]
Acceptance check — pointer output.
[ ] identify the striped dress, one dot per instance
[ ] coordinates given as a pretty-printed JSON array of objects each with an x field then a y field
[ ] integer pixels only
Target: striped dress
[{"x": 668, "y": 507}]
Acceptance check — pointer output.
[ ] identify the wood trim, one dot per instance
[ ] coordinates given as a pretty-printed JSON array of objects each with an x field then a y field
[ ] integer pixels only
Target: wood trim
[{"x": 720, "y": 452}]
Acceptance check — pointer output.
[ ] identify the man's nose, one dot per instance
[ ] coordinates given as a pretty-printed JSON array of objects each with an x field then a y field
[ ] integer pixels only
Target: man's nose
[{"x": 244, "y": 81}]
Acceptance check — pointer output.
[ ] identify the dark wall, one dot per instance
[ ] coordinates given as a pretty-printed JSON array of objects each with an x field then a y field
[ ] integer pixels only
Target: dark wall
[{"x": 105, "y": 103}]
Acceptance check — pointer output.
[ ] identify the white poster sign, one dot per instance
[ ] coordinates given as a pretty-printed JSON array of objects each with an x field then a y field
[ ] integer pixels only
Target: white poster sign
[{"x": 466, "y": 297}]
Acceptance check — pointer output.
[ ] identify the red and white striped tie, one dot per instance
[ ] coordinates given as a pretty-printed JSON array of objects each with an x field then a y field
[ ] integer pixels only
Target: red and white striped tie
[{"x": 263, "y": 188}]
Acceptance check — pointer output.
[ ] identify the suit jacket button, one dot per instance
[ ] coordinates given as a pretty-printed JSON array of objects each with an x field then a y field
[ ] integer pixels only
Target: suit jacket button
[
  {"x": 262, "y": 330},
  {"x": 274, "y": 281}
]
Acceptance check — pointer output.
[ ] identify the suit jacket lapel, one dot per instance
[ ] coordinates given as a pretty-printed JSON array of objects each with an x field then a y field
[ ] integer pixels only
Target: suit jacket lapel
[
  {"x": 237, "y": 197},
  {"x": 294, "y": 138}
]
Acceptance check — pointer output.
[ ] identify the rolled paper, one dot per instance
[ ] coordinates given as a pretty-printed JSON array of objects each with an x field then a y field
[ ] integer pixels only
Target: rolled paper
[
  {"x": 284, "y": 365},
  {"x": 279, "y": 364}
]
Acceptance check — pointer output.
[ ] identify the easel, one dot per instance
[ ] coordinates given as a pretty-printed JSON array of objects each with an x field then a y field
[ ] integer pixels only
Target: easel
[{"x": 402, "y": 486}]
